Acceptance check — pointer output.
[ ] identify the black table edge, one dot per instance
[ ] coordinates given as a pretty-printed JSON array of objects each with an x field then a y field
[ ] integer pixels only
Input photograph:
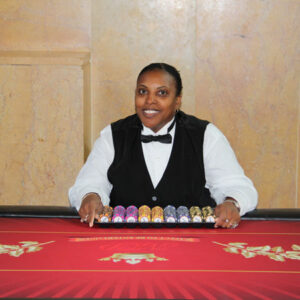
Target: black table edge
[{"x": 32, "y": 211}]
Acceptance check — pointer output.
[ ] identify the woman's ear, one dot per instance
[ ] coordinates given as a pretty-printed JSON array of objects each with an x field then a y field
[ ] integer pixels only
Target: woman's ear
[{"x": 178, "y": 102}]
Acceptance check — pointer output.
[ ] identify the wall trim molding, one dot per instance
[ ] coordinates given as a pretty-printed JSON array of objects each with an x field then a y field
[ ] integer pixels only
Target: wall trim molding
[{"x": 70, "y": 58}]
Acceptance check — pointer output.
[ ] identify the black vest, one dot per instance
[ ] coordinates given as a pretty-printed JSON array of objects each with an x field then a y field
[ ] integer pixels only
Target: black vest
[{"x": 183, "y": 182}]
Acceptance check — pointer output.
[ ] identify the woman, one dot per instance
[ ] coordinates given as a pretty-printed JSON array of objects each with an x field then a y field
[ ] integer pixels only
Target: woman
[{"x": 161, "y": 156}]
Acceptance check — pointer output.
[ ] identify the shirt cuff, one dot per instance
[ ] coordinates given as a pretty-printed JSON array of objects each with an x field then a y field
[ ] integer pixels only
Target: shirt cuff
[
  {"x": 243, "y": 200},
  {"x": 76, "y": 200}
]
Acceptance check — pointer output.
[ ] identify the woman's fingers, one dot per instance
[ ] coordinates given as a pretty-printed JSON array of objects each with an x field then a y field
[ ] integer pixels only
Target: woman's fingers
[
  {"x": 227, "y": 215},
  {"x": 90, "y": 208},
  {"x": 83, "y": 212}
]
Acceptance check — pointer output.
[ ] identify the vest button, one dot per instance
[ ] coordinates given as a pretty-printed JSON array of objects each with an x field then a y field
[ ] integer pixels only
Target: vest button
[{"x": 154, "y": 198}]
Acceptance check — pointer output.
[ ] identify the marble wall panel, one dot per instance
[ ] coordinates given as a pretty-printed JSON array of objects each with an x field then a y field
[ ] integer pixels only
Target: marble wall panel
[
  {"x": 41, "y": 133},
  {"x": 128, "y": 35},
  {"x": 45, "y": 25},
  {"x": 247, "y": 83}
]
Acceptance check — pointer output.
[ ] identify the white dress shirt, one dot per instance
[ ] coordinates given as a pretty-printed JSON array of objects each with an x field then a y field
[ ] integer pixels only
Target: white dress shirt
[{"x": 224, "y": 175}]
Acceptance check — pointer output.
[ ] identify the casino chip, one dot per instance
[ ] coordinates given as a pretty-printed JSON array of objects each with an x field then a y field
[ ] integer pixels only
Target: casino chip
[
  {"x": 208, "y": 214},
  {"x": 157, "y": 214},
  {"x": 196, "y": 214},
  {"x": 144, "y": 214},
  {"x": 183, "y": 215},
  {"x": 106, "y": 215},
  {"x": 170, "y": 214},
  {"x": 131, "y": 214},
  {"x": 118, "y": 214}
]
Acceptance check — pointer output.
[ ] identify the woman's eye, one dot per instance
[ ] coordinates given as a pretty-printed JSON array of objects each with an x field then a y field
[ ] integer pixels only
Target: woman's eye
[
  {"x": 162, "y": 93},
  {"x": 142, "y": 91}
]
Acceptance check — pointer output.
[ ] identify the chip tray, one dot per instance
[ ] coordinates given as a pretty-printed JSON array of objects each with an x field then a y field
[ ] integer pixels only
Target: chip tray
[{"x": 154, "y": 225}]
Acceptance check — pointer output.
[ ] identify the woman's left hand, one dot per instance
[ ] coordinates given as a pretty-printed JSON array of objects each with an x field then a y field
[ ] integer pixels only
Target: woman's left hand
[{"x": 227, "y": 215}]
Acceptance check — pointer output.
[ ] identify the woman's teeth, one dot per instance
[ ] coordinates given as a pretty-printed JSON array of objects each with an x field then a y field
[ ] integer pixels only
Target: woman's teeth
[{"x": 150, "y": 111}]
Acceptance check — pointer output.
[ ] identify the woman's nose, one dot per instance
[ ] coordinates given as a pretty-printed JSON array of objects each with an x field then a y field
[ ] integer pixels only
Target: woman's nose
[{"x": 150, "y": 98}]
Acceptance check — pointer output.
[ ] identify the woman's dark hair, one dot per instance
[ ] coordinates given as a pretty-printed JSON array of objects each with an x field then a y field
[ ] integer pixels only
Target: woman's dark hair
[{"x": 167, "y": 68}]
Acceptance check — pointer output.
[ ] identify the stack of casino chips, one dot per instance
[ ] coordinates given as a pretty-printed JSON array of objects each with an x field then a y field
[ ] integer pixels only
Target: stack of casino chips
[
  {"x": 118, "y": 214},
  {"x": 208, "y": 214},
  {"x": 170, "y": 214},
  {"x": 183, "y": 215},
  {"x": 157, "y": 214},
  {"x": 106, "y": 215},
  {"x": 196, "y": 214},
  {"x": 144, "y": 214},
  {"x": 131, "y": 214}
]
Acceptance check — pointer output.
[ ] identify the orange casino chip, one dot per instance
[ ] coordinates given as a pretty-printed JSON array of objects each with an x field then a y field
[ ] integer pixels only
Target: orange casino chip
[
  {"x": 157, "y": 214},
  {"x": 144, "y": 214}
]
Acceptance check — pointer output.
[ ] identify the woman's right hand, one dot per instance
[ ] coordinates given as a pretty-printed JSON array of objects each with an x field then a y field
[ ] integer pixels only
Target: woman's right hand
[{"x": 91, "y": 207}]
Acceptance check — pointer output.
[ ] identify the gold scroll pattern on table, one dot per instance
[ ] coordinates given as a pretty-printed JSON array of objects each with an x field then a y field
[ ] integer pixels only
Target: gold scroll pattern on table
[
  {"x": 25, "y": 247},
  {"x": 276, "y": 253},
  {"x": 133, "y": 258}
]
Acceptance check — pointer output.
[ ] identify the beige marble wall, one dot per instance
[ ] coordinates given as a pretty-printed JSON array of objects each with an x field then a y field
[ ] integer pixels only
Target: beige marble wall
[
  {"x": 247, "y": 83},
  {"x": 44, "y": 55},
  {"x": 239, "y": 61},
  {"x": 41, "y": 133},
  {"x": 45, "y": 25}
]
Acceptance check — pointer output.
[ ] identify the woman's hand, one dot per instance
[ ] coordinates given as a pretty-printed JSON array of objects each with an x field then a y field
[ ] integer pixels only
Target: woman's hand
[
  {"x": 227, "y": 215},
  {"x": 91, "y": 207}
]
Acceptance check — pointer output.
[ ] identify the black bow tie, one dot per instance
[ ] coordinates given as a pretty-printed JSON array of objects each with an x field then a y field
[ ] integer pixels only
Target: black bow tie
[{"x": 165, "y": 138}]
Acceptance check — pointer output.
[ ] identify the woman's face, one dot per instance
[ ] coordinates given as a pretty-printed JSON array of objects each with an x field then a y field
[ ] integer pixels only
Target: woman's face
[{"x": 155, "y": 99}]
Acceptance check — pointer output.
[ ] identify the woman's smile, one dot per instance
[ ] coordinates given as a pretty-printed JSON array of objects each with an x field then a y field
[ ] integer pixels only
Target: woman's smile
[{"x": 149, "y": 113}]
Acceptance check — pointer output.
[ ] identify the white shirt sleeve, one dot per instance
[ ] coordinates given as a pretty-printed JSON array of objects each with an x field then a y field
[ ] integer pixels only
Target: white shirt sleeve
[
  {"x": 224, "y": 175},
  {"x": 92, "y": 178}
]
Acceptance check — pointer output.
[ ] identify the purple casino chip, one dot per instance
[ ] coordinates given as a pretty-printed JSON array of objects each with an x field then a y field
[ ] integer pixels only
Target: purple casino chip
[
  {"x": 118, "y": 214},
  {"x": 131, "y": 214}
]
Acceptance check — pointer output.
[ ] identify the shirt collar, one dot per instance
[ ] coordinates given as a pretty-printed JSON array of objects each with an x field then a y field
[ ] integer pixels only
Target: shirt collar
[{"x": 163, "y": 130}]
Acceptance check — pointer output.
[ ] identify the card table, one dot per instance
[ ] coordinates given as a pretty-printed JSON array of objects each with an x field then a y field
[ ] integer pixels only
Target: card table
[{"x": 48, "y": 252}]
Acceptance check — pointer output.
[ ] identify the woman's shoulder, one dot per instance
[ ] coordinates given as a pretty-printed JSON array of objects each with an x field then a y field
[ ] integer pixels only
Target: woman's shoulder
[
  {"x": 128, "y": 122},
  {"x": 190, "y": 121}
]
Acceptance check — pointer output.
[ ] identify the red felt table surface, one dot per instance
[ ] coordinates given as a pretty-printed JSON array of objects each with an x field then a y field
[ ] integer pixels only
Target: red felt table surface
[{"x": 65, "y": 258}]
